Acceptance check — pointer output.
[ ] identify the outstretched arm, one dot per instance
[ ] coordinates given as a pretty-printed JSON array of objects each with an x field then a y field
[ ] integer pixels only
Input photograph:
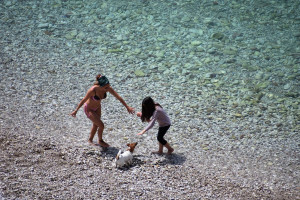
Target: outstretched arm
[
  {"x": 150, "y": 125},
  {"x": 87, "y": 96},
  {"x": 115, "y": 94},
  {"x": 142, "y": 132}
]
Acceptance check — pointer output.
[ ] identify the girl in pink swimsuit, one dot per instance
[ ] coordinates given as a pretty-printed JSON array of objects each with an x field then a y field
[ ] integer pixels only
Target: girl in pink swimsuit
[{"x": 92, "y": 106}]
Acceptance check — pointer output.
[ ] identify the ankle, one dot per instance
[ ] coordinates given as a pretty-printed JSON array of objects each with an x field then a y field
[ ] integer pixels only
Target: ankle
[
  {"x": 170, "y": 151},
  {"x": 157, "y": 152}
]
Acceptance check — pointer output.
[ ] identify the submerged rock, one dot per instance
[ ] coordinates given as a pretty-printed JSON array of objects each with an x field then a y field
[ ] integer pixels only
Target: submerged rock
[
  {"x": 139, "y": 73},
  {"x": 218, "y": 36}
]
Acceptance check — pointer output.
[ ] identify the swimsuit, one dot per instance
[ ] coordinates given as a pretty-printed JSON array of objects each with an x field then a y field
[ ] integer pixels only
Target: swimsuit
[
  {"x": 86, "y": 110},
  {"x": 94, "y": 98}
]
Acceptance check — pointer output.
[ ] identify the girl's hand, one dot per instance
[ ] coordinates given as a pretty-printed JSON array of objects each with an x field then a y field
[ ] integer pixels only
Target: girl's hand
[
  {"x": 142, "y": 132},
  {"x": 130, "y": 110},
  {"x": 139, "y": 114},
  {"x": 73, "y": 114}
]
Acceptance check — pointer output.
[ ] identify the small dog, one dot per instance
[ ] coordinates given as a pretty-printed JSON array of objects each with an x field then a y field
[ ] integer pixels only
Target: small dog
[{"x": 125, "y": 158}]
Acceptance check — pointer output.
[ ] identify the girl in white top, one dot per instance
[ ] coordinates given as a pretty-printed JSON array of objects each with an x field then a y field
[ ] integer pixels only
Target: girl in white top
[{"x": 152, "y": 112}]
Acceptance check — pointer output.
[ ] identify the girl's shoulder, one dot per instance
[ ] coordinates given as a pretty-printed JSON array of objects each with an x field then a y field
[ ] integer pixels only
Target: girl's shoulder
[
  {"x": 158, "y": 108},
  {"x": 94, "y": 87}
]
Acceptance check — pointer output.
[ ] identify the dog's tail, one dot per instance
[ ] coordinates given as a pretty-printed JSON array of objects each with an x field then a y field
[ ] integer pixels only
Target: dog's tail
[{"x": 118, "y": 155}]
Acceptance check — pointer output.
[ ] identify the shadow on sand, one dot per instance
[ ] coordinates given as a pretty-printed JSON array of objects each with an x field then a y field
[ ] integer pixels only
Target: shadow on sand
[
  {"x": 173, "y": 159},
  {"x": 139, "y": 160}
]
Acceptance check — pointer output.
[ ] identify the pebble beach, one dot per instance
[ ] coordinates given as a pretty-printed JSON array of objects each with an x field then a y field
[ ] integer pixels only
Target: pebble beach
[{"x": 226, "y": 72}]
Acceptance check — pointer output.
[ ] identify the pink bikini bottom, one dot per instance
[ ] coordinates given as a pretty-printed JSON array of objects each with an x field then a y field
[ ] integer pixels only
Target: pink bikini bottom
[{"x": 86, "y": 110}]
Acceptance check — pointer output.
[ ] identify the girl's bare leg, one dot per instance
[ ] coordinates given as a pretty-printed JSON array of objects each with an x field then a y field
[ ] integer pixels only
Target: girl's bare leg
[
  {"x": 95, "y": 117},
  {"x": 170, "y": 149},
  {"x": 92, "y": 134},
  {"x": 160, "y": 149},
  {"x": 100, "y": 139}
]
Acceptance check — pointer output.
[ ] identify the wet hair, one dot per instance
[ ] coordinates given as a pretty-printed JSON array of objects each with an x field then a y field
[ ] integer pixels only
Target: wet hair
[
  {"x": 97, "y": 83},
  {"x": 97, "y": 77},
  {"x": 148, "y": 108},
  {"x": 102, "y": 80}
]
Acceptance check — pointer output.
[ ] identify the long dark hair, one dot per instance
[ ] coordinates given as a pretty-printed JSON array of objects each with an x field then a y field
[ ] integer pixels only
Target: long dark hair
[{"x": 148, "y": 108}]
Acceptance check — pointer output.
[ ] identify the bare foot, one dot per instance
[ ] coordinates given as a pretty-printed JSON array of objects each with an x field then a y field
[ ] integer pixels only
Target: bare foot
[
  {"x": 92, "y": 143},
  {"x": 170, "y": 151},
  {"x": 157, "y": 152},
  {"x": 103, "y": 144}
]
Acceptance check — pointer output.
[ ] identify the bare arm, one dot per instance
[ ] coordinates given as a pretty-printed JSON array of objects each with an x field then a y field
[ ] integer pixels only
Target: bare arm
[
  {"x": 115, "y": 94},
  {"x": 87, "y": 96},
  {"x": 150, "y": 125},
  {"x": 142, "y": 132}
]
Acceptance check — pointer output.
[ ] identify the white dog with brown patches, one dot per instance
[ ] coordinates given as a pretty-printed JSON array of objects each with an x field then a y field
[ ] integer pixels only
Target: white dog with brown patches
[{"x": 125, "y": 158}]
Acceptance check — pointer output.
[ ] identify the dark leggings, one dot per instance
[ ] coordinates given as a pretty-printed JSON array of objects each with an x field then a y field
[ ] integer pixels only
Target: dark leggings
[{"x": 161, "y": 133}]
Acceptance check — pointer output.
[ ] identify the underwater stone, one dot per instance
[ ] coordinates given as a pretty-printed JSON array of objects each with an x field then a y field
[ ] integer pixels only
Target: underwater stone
[
  {"x": 90, "y": 21},
  {"x": 262, "y": 85},
  {"x": 160, "y": 54},
  {"x": 197, "y": 31},
  {"x": 249, "y": 67},
  {"x": 8, "y": 3},
  {"x": 293, "y": 95},
  {"x": 214, "y": 80},
  {"x": 89, "y": 41},
  {"x": 99, "y": 39},
  {"x": 259, "y": 75},
  {"x": 71, "y": 34},
  {"x": 218, "y": 36},
  {"x": 235, "y": 82},
  {"x": 205, "y": 148},
  {"x": 119, "y": 37},
  {"x": 104, "y": 5},
  {"x": 210, "y": 75},
  {"x": 238, "y": 115},
  {"x": 80, "y": 36},
  {"x": 207, "y": 60},
  {"x": 230, "y": 51},
  {"x": 199, "y": 49},
  {"x": 222, "y": 72},
  {"x": 114, "y": 50},
  {"x": 43, "y": 25},
  {"x": 286, "y": 86},
  {"x": 212, "y": 51},
  {"x": 218, "y": 45},
  {"x": 256, "y": 53},
  {"x": 137, "y": 51},
  {"x": 231, "y": 60},
  {"x": 161, "y": 39},
  {"x": 208, "y": 21},
  {"x": 188, "y": 65},
  {"x": 196, "y": 43},
  {"x": 139, "y": 73}
]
